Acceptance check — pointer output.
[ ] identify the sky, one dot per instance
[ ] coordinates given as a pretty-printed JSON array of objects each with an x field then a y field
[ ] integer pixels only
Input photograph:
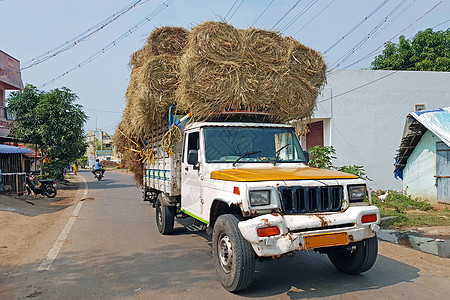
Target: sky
[{"x": 349, "y": 34}]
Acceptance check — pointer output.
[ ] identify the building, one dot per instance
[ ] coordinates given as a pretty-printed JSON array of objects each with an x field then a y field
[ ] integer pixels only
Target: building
[
  {"x": 10, "y": 79},
  {"x": 99, "y": 146},
  {"x": 423, "y": 160},
  {"x": 362, "y": 113}
]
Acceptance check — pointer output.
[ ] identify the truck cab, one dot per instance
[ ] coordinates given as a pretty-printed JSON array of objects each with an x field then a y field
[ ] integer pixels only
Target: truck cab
[{"x": 249, "y": 185}]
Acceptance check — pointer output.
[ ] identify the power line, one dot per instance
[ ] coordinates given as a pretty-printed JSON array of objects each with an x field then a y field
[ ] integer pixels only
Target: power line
[
  {"x": 314, "y": 17},
  {"x": 85, "y": 35},
  {"x": 263, "y": 12},
  {"x": 236, "y": 10},
  {"x": 440, "y": 24},
  {"x": 284, "y": 16},
  {"x": 297, "y": 16},
  {"x": 376, "y": 50},
  {"x": 231, "y": 9},
  {"x": 357, "y": 25},
  {"x": 148, "y": 18},
  {"x": 347, "y": 55}
]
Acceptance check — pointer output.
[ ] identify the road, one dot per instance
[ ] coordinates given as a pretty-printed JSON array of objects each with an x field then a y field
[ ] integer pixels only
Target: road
[{"x": 110, "y": 249}]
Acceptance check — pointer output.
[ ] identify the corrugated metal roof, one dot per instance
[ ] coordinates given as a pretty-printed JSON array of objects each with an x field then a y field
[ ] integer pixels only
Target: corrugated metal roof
[{"x": 6, "y": 149}]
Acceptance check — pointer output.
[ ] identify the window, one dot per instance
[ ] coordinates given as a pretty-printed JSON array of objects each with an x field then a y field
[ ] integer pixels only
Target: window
[{"x": 192, "y": 143}]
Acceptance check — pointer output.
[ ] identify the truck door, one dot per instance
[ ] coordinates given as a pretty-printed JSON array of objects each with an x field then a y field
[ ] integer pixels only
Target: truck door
[{"x": 191, "y": 183}]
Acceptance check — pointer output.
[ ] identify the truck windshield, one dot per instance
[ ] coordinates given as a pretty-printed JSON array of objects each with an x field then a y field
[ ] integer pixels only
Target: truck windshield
[{"x": 270, "y": 144}]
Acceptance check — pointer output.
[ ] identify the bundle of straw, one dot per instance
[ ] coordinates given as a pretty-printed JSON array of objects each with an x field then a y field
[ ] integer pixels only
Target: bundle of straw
[
  {"x": 168, "y": 40},
  {"x": 217, "y": 42},
  {"x": 140, "y": 57}
]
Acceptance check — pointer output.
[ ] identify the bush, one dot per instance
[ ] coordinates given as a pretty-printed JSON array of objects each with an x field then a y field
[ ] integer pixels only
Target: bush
[{"x": 321, "y": 156}]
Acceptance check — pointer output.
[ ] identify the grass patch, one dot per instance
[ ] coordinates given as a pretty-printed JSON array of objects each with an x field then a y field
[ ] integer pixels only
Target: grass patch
[{"x": 409, "y": 211}]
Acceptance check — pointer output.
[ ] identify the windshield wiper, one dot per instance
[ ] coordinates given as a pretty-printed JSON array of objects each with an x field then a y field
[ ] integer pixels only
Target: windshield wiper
[
  {"x": 244, "y": 155},
  {"x": 277, "y": 154}
]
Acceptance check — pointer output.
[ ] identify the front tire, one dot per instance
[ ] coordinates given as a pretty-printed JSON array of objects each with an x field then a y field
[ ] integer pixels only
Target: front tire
[
  {"x": 357, "y": 261},
  {"x": 165, "y": 216},
  {"x": 233, "y": 255}
]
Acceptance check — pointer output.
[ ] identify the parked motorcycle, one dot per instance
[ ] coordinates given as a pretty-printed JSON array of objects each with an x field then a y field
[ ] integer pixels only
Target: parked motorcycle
[
  {"x": 46, "y": 188},
  {"x": 98, "y": 174}
]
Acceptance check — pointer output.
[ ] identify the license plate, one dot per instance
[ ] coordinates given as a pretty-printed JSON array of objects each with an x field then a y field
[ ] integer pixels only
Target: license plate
[{"x": 325, "y": 240}]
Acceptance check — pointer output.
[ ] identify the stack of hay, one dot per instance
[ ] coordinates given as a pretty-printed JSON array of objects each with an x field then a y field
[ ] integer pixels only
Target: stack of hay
[{"x": 210, "y": 68}]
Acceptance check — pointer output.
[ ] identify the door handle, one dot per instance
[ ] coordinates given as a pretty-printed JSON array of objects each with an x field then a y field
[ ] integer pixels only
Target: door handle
[{"x": 186, "y": 168}]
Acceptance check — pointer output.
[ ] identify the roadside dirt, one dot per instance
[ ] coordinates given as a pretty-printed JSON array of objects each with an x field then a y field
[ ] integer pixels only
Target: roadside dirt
[{"x": 28, "y": 224}]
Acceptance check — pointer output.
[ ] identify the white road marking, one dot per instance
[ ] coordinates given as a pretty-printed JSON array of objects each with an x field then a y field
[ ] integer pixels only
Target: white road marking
[{"x": 53, "y": 253}]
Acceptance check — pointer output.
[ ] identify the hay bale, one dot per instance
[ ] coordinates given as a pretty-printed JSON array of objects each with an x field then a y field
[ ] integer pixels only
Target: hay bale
[
  {"x": 168, "y": 40},
  {"x": 306, "y": 62},
  {"x": 266, "y": 49},
  {"x": 217, "y": 42},
  {"x": 140, "y": 57}
]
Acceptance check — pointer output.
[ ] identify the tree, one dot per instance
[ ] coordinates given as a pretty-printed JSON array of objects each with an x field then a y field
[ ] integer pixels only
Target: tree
[
  {"x": 427, "y": 51},
  {"x": 53, "y": 122}
]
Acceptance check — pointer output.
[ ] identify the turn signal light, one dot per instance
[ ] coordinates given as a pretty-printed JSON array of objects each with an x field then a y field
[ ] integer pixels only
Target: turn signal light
[
  {"x": 268, "y": 231},
  {"x": 369, "y": 218},
  {"x": 236, "y": 191}
]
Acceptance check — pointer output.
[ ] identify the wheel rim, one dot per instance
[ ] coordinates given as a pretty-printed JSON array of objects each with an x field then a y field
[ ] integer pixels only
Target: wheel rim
[{"x": 225, "y": 252}]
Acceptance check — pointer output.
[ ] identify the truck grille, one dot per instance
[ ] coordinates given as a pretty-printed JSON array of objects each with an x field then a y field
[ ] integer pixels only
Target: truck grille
[{"x": 299, "y": 199}]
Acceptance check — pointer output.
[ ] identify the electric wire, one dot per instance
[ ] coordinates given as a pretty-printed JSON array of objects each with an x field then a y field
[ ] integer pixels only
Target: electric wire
[
  {"x": 263, "y": 13},
  {"x": 347, "y": 55},
  {"x": 242, "y": 1},
  {"x": 231, "y": 8},
  {"x": 284, "y": 16},
  {"x": 85, "y": 35},
  {"x": 147, "y": 19},
  {"x": 298, "y": 15},
  {"x": 440, "y": 24},
  {"x": 357, "y": 25},
  {"x": 320, "y": 12},
  {"x": 377, "y": 50}
]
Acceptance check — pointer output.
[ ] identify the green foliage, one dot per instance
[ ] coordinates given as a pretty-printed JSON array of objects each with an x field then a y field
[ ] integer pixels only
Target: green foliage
[
  {"x": 401, "y": 202},
  {"x": 82, "y": 161},
  {"x": 52, "y": 121},
  {"x": 321, "y": 156},
  {"x": 98, "y": 144},
  {"x": 427, "y": 51},
  {"x": 355, "y": 170}
]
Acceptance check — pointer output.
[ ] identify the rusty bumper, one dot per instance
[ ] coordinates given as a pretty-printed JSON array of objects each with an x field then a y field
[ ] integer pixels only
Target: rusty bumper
[{"x": 309, "y": 231}]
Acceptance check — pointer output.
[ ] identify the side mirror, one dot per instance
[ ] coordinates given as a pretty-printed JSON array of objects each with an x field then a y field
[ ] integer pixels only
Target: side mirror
[
  {"x": 306, "y": 154},
  {"x": 192, "y": 158}
]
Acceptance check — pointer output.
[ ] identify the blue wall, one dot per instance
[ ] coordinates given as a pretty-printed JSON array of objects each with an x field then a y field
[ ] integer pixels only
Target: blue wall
[{"x": 418, "y": 175}]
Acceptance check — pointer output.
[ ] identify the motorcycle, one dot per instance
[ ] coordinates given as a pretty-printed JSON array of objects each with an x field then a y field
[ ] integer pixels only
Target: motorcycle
[
  {"x": 46, "y": 188},
  {"x": 98, "y": 174}
]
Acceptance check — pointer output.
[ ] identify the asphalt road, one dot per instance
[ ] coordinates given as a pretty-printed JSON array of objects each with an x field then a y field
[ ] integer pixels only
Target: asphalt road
[{"x": 114, "y": 251}]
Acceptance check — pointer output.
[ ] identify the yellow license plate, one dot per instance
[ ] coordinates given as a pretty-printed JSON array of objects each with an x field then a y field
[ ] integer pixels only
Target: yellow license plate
[{"x": 325, "y": 240}]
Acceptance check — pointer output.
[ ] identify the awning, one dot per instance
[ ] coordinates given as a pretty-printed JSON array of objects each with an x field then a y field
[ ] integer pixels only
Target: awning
[{"x": 6, "y": 149}]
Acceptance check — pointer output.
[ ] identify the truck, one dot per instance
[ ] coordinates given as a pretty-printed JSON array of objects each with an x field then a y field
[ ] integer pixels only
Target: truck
[{"x": 248, "y": 184}]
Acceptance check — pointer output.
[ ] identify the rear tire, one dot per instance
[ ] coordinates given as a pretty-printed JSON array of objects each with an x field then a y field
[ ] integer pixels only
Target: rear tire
[
  {"x": 233, "y": 255},
  {"x": 165, "y": 216},
  {"x": 358, "y": 261},
  {"x": 50, "y": 191}
]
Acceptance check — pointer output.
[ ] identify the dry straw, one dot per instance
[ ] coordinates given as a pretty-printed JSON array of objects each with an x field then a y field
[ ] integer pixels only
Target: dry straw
[
  {"x": 219, "y": 67},
  {"x": 168, "y": 40}
]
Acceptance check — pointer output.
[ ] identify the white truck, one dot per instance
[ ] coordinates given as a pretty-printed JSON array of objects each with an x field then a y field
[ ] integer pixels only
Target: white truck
[{"x": 250, "y": 187}]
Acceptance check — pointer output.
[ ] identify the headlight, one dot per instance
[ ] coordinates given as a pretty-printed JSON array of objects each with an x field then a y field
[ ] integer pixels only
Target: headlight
[
  {"x": 357, "y": 193},
  {"x": 259, "y": 198}
]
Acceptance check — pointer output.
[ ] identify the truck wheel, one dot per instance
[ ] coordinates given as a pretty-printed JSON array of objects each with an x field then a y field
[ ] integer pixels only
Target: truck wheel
[
  {"x": 165, "y": 216},
  {"x": 358, "y": 261},
  {"x": 234, "y": 258}
]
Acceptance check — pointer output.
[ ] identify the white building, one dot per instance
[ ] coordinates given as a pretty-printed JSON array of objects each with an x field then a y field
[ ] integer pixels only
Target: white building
[{"x": 362, "y": 114}]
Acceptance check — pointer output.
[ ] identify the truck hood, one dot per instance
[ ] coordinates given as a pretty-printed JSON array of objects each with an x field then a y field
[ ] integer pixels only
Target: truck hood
[{"x": 278, "y": 173}]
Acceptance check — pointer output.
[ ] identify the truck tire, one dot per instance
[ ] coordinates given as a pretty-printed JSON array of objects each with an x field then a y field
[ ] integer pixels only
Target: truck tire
[
  {"x": 358, "y": 261},
  {"x": 233, "y": 255},
  {"x": 165, "y": 216}
]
